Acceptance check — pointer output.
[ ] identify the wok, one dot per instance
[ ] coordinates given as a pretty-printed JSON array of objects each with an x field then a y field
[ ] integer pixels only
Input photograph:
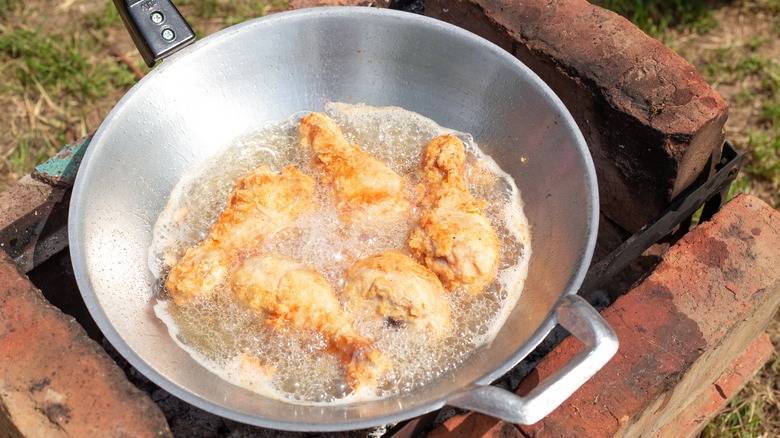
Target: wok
[{"x": 209, "y": 93}]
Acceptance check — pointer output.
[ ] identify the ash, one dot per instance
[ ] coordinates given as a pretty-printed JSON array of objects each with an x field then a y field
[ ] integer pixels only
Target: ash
[{"x": 413, "y": 6}]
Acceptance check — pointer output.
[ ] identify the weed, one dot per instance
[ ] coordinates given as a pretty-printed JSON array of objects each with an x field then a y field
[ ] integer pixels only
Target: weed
[
  {"x": 228, "y": 13},
  {"x": 655, "y": 18},
  {"x": 730, "y": 65},
  {"x": 59, "y": 79},
  {"x": 741, "y": 184},
  {"x": 763, "y": 138},
  {"x": 208, "y": 8},
  {"x": 771, "y": 6},
  {"x": 743, "y": 97},
  {"x": 764, "y": 146},
  {"x": 744, "y": 417},
  {"x": 770, "y": 84},
  {"x": 101, "y": 21},
  {"x": 30, "y": 151},
  {"x": 751, "y": 65},
  {"x": 755, "y": 43},
  {"x": 717, "y": 61},
  {"x": 8, "y": 7},
  {"x": 770, "y": 112},
  {"x": 57, "y": 65},
  {"x": 741, "y": 421},
  {"x": 247, "y": 11}
]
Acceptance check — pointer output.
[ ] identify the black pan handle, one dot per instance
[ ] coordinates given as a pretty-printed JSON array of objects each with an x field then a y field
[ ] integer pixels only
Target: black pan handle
[{"x": 156, "y": 26}]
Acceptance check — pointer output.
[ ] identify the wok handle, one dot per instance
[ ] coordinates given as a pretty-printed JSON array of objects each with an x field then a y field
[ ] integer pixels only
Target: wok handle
[
  {"x": 156, "y": 26},
  {"x": 600, "y": 342}
]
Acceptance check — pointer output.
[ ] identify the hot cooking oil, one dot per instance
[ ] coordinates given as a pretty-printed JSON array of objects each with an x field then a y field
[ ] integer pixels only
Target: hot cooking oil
[{"x": 294, "y": 364}]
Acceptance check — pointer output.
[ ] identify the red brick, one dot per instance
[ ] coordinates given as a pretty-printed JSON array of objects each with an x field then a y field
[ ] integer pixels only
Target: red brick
[
  {"x": 33, "y": 222},
  {"x": 54, "y": 380},
  {"x": 689, "y": 423},
  {"x": 706, "y": 405},
  {"x": 650, "y": 119},
  {"x": 712, "y": 294},
  {"x": 474, "y": 425}
]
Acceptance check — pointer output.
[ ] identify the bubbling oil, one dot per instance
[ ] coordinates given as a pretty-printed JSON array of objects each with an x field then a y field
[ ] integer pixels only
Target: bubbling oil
[{"x": 294, "y": 364}]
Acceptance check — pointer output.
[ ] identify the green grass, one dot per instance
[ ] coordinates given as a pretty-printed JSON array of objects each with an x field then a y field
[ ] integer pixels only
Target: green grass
[
  {"x": 656, "y": 17},
  {"x": 57, "y": 66},
  {"x": 761, "y": 74},
  {"x": 770, "y": 83},
  {"x": 742, "y": 418},
  {"x": 764, "y": 142},
  {"x": 7, "y": 8},
  {"x": 31, "y": 150},
  {"x": 61, "y": 72},
  {"x": 59, "y": 77},
  {"x": 764, "y": 162},
  {"x": 732, "y": 63},
  {"x": 226, "y": 13},
  {"x": 772, "y": 6},
  {"x": 102, "y": 21}
]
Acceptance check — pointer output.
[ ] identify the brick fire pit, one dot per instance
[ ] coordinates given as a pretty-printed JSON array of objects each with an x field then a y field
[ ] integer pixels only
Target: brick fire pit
[{"x": 689, "y": 313}]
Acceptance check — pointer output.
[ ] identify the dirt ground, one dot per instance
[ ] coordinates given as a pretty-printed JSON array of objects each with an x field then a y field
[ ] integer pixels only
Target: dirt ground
[{"x": 741, "y": 26}]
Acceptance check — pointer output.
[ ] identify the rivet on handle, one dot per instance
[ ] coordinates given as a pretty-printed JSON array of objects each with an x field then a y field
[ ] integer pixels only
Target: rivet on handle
[{"x": 156, "y": 26}]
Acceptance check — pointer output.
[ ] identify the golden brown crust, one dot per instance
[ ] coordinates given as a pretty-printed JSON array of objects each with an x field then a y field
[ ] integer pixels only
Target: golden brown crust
[
  {"x": 453, "y": 238},
  {"x": 365, "y": 187},
  {"x": 261, "y": 203},
  {"x": 393, "y": 285},
  {"x": 283, "y": 290}
]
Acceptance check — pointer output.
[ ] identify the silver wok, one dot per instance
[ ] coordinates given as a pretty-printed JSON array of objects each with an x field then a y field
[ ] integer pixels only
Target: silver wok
[{"x": 210, "y": 92}]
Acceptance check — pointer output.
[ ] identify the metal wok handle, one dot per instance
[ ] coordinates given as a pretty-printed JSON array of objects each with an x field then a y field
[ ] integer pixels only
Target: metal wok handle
[
  {"x": 156, "y": 26},
  {"x": 584, "y": 323}
]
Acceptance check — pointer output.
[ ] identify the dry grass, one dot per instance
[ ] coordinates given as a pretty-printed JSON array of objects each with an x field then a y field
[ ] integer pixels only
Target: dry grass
[
  {"x": 64, "y": 64},
  {"x": 59, "y": 81},
  {"x": 740, "y": 57}
]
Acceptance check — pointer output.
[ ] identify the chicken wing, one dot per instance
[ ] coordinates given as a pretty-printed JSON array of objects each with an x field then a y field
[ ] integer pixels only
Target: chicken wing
[
  {"x": 285, "y": 291},
  {"x": 453, "y": 239},
  {"x": 365, "y": 187},
  {"x": 393, "y": 285},
  {"x": 261, "y": 203}
]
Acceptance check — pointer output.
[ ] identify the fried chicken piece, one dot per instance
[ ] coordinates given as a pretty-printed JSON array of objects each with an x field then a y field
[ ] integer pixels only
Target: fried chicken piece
[
  {"x": 198, "y": 273},
  {"x": 453, "y": 239},
  {"x": 393, "y": 285},
  {"x": 261, "y": 203},
  {"x": 365, "y": 187},
  {"x": 285, "y": 291}
]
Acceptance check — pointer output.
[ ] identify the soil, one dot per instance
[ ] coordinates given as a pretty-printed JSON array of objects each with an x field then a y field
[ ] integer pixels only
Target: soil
[{"x": 740, "y": 26}]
